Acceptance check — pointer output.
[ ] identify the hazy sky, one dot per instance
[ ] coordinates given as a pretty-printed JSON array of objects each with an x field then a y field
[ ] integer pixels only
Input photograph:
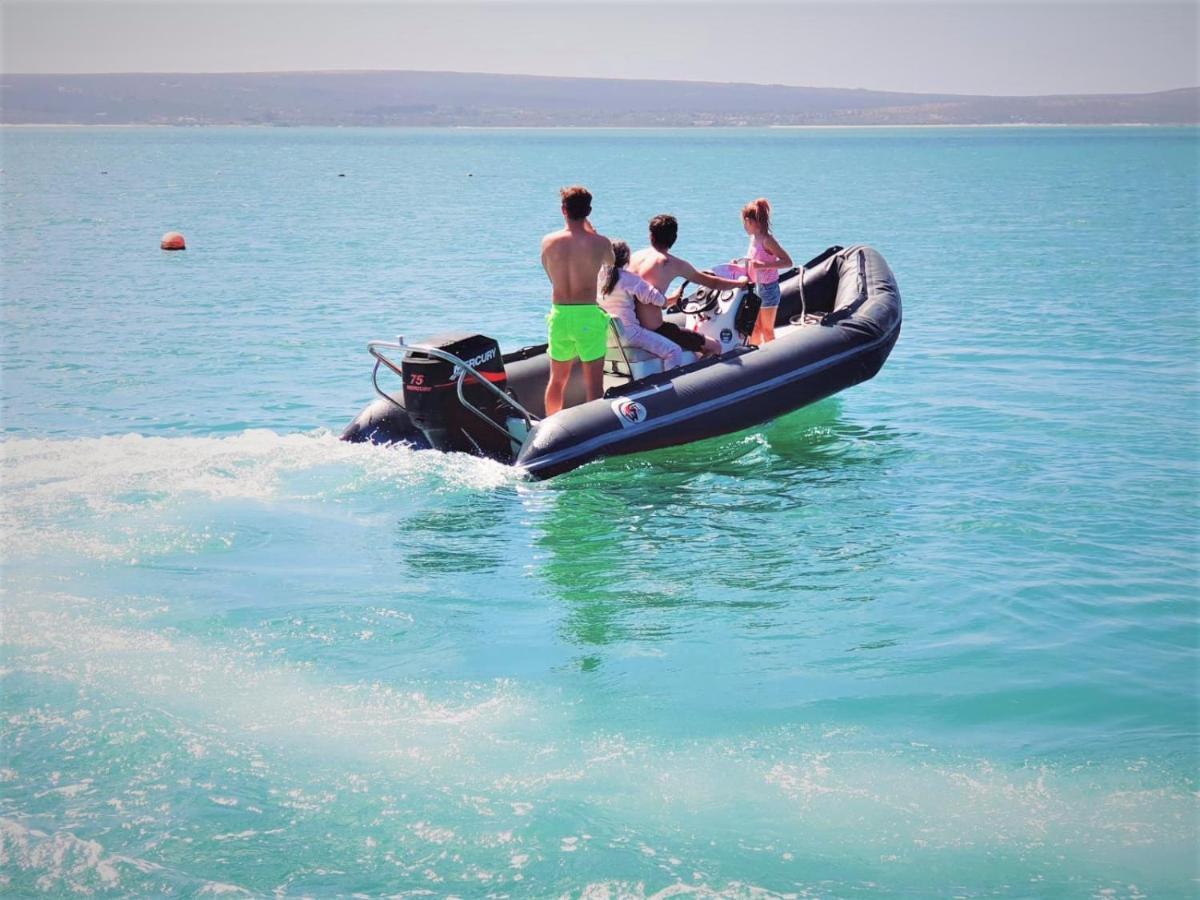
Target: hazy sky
[{"x": 964, "y": 47}]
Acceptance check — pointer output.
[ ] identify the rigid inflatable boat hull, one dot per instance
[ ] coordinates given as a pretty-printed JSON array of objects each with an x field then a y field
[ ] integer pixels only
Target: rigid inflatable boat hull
[
  {"x": 852, "y": 290},
  {"x": 695, "y": 406}
]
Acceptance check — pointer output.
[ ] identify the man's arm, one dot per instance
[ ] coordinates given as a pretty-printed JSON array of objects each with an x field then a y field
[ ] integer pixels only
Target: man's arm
[
  {"x": 686, "y": 270},
  {"x": 545, "y": 251}
]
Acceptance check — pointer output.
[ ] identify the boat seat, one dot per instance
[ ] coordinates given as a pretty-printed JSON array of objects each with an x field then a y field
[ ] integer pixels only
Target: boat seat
[
  {"x": 621, "y": 359},
  {"x": 632, "y": 362}
]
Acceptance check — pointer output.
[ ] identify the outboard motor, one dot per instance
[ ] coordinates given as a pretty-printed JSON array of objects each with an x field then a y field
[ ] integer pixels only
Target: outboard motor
[
  {"x": 431, "y": 396},
  {"x": 728, "y": 315}
]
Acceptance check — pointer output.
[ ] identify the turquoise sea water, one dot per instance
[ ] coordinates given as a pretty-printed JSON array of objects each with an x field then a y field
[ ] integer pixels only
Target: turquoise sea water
[{"x": 934, "y": 637}]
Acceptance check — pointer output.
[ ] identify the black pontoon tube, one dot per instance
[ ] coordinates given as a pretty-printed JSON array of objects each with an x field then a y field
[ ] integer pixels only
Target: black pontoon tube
[{"x": 745, "y": 387}]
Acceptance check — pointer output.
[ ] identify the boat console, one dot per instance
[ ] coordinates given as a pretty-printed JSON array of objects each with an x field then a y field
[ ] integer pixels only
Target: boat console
[{"x": 727, "y": 316}]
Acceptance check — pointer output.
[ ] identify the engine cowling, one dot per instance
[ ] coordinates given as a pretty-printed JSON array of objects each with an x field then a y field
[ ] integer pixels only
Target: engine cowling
[{"x": 431, "y": 395}]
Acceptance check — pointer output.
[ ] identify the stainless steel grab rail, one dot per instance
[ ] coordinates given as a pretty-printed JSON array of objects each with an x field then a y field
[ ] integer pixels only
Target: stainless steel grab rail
[{"x": 464, "y": 369}]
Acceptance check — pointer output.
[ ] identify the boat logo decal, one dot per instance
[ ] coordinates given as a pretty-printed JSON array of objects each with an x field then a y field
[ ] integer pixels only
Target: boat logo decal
[
  {"x": 726, "y": 335},
  {"x": 629, "y": 412}
]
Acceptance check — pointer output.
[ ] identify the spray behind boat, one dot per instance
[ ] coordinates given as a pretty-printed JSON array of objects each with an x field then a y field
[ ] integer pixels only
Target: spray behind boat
[{"x": 432, "y": 401}]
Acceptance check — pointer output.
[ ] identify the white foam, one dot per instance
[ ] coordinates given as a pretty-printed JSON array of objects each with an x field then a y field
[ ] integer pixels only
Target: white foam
[
  {"x": 236, "y": 835},
  {"x": 53, "y": 490},
  {"x": 221, "y": 889},
  {"x": 794, "y": 791},
  {"x": 71, "y": 638},
  {"x": 734, "y": 890},
  {"x": 64, "y": 861},
  {"x": 432, "y": 833}
]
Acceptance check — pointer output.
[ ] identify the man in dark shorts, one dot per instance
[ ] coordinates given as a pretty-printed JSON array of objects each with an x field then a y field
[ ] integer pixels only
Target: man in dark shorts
[{"x": 659, "y": 267}]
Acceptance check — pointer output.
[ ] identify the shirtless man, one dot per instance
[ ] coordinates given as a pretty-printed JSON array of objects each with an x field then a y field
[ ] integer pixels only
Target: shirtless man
[
  {"x": 578, "y": 327},
  {"x": 656, "y": 265}
]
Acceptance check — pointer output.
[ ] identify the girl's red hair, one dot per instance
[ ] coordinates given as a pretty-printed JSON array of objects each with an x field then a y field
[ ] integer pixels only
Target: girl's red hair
[{"x": 759, "y": 211}]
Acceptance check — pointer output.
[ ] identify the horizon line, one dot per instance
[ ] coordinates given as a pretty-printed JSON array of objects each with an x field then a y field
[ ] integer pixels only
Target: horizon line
[{"x": 1190, "y": 87}]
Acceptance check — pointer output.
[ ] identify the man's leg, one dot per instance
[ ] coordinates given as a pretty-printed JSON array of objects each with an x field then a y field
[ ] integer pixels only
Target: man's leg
[
  {"x": 592, "y": 341},
  {"x": 689, "y": 340},
  {"x": 593, "y": 378},
  {"x": 560, "y": 373}
]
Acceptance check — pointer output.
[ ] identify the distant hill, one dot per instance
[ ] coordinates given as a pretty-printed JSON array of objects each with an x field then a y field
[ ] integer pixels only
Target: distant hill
[{"x": 453, "y": 98}]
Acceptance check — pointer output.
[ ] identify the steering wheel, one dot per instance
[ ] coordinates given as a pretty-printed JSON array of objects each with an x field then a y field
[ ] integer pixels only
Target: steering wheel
[
  {"x": 697, "y": 303},
  {"x": 673, "y": 306}
]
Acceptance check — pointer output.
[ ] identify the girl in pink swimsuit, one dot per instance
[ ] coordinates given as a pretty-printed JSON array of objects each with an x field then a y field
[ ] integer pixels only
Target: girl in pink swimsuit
[{"x": 764, "y": 258}]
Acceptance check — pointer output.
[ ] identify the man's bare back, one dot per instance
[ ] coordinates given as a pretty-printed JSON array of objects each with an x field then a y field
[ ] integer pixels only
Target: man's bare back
[
  {"x": 660, "y": 268},
  {"x": 656, "y": 267},
  {"x": 572, "y": 259}
]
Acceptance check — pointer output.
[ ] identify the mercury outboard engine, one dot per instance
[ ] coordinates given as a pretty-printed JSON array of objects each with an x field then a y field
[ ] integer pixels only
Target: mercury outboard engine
[{"x": 431, "y": 396}]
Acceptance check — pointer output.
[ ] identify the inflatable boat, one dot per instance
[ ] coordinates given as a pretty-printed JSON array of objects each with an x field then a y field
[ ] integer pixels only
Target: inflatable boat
[{"x": 839, "y": 318}]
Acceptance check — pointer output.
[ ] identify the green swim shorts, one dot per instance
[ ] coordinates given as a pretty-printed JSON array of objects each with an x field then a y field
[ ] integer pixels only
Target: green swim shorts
[{"x": 577, "y": 331}]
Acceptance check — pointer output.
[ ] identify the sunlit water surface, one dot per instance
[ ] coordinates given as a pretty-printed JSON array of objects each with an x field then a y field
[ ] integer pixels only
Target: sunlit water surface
[{"x": 935, "y": 636}]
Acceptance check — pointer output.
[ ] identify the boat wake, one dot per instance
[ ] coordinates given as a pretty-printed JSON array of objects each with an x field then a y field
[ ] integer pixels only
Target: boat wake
[
  {"x": 108, "y": 497},
  {"x": 234, "y": 749}
]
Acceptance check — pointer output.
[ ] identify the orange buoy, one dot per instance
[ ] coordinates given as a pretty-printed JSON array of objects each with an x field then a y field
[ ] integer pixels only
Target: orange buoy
[{"x": 173, "y": 240}]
